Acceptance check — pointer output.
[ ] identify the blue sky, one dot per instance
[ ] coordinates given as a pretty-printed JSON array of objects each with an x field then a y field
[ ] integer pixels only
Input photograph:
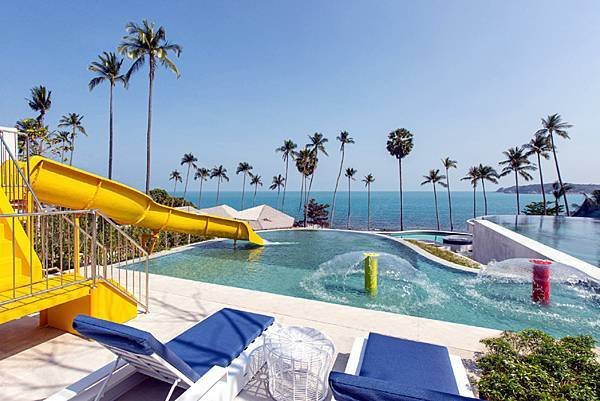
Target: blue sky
[{"x": 468, "y": 78}]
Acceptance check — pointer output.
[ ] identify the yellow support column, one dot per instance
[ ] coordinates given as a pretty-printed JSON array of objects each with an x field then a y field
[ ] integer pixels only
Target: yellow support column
[
  {"x": 76, "y": 259},
  {"x": 371, "y": 273}
]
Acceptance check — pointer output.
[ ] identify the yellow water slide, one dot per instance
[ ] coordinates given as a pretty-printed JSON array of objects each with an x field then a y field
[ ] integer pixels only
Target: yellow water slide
[{"x": 58, "y": 184}]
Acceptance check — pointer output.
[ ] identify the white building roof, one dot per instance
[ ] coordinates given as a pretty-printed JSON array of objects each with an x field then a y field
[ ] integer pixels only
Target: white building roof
[{"x": 261, "y": 217}]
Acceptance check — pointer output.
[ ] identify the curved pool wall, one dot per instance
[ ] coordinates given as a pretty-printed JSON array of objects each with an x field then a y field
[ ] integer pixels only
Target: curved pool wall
[
  {"x": 326, "y": 265},
  {"x": 423, "y": 235},
  {"x": 574, "y": 241}
]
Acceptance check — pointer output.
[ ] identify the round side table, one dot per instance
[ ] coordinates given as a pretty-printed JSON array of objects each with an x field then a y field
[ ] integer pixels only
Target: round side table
[{"x": 298, "y": 362}]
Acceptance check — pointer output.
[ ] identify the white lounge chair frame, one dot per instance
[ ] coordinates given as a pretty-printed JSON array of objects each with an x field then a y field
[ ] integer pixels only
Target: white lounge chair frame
[
  {"x": 357, "y": 354},
  {"x": 116, "y": 378}
]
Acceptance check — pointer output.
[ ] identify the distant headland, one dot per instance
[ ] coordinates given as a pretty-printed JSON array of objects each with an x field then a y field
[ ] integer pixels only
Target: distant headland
[{"x": 535, "y": 188}]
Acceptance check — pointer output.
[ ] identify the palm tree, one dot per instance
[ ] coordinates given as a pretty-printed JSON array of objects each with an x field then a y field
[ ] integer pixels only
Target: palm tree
[
  {"x": 244, "y": 168},
  {"x": 36, "y": 134},
  {"x": 176, "y": 177},
  {"x": 277, "y": 183},
  {"x": 220, "y": 173},
  {"x": 399, "y": 145},
  {"x": 255, "y": 180},
  {"x": 435, "y": 178},
  {"x": 189, "y": 160},
  {"x": 551, "y": 125},
  {"x": 40, "y": 101},
  {"x": 473, "y": 177},
  {"x": 486, "y": 173},
  {"x": 368, "y": 180},
  {"x": 517, "y": 162},
  {"x": 316, "y": 145},
  {"x": 540, "y": 146},
  {"x": 201, "y": 174},
  {"x": 557, "y": 192},
  {"x": 304, "y": 165},
  {"x": 287, "y": 151},
  {"x": 73, "y": 121},
  {"x": 350, "y": 173},
  {"x": 448, "y": 163},
  {"x": 145, "y": 41},
  {"x": 64, "y": 138},
  {"x": 345, "y": 139},
  {"x": 108, "y": 69}
]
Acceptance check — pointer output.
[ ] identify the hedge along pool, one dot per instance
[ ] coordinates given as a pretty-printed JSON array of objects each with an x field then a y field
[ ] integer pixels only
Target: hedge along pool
[{"x": 327, "y": 266}]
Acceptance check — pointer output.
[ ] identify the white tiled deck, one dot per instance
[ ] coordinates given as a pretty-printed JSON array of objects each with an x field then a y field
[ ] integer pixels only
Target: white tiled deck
[{"x": 34, "y": 363}]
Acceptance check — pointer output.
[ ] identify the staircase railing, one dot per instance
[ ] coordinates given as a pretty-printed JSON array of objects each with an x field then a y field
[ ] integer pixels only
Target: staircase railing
[
  {"x": 70, "y": 247},
  {"x": 13, "y": 180},
  {"x": 49, "y": 249}
]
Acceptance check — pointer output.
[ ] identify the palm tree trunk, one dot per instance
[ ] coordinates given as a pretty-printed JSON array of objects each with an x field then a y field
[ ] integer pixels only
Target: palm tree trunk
[
  {"x": 348, "y": 222},
  {"x": 437, "y": 213},
  {"x": 243, "y": 189},
  {"x": 218, "y": 190},
  {"x": 449, "y": 200},
  {"x": 542, "y": 182},
  {"x": 173, "y": 196},
  {"x": 277, "y": 202},
  {"x": 187, "y": 178},
  {"x": 307, "y": 191},
  {"x": 301, "y": 192},
  {"x": 72, "y": 146},
  {"x": 149, "y": 130},
  {"x": 559, "y": 176},
  {"x": 337, "y": 182},
  {"x": 474, "y": 201},
  {"x": 401, "y": 200},
  {"x": 287, "y": 162},
  {"x": 254, "y": 198},
  {"x": 369, "y": 207},
  {"x": 110, "y": 132},
  {"x": 200, "y": 194},
  {"x": 517, "y": 188},
  {"x": 484, "y": 197}
]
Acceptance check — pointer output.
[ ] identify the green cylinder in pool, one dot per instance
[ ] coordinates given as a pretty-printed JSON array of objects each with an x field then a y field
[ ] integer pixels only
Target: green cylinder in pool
[{"x": 371, "y": 273}]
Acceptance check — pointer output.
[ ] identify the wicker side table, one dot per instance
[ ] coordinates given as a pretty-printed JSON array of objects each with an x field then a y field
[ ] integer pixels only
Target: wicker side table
[{"x": 298, "y": 361}]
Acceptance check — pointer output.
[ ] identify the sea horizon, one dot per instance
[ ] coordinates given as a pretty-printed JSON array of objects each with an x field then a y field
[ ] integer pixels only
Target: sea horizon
[{"x": 419, "y": 210}]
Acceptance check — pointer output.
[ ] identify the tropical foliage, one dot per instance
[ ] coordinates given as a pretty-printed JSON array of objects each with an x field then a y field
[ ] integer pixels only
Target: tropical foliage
[
  {"x": 255, "y": 181},
  {"x": 486, "y": 173},
  {"x": 540, "y": 146},
  {"x": 448, "y": 163},
  {"x": 399, "y": 145},
  {"x": 345, "y": 139},
  {"x": 74, "y": 122},
  {"x": 435, "y": 178},
  {"x": 147, "y": 42},
  {"x": 532, "y": 366},
  {"x": 245, "y": 169},
  {"x": 473, "y": 177},
  {"x": 278, "y": 183},
  {"x": 287, "y": 152},
  {"x": 350, "y": 173},
  {"x": 202, "y": 174},
  {"x": 517, "y": 163},
  {"x": 188, "y": 160},
  {"x": 368, "y": 180},
  {"x": 220, "y": 173},
  {"x": 317, "y": 213},
  {"x": 554, "y": 125},
  {"x": 108, "y": 69}
]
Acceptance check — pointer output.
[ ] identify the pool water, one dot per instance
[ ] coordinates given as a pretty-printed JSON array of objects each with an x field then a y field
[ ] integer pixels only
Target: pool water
[
  {"x": 424, "y": 236},
  {"x": 327, "y": 265},
  {"x": 576, "y": 236}
]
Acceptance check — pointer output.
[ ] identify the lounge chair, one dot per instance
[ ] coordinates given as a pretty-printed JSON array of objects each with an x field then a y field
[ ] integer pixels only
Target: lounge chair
[
  {"x": 386, "y": 368},
  {"x": 209, "y": 360}
]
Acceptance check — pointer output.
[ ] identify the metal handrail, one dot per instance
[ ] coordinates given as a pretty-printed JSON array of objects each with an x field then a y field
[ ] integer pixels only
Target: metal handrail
[
  {"x": 120, "y": 230},
  {"x": 20, "y": 171}
]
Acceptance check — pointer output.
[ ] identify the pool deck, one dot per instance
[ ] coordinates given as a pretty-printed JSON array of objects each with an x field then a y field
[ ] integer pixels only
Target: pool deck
[{"x": 37, "y": 362}]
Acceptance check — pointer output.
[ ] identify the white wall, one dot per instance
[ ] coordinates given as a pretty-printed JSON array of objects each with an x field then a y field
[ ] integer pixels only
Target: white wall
[
  {"x": 494, "y": 242},
  {"x": 10, "y": 137}
]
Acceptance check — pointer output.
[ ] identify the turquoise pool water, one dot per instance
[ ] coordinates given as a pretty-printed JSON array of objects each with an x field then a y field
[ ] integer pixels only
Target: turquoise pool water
[
  {"x": 326, "y": 265},
  {"x": 576, "y": 236}
]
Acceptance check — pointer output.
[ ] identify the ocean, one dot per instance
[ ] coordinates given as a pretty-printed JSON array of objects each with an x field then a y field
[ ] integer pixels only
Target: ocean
[{"x": 419, "y": 210}]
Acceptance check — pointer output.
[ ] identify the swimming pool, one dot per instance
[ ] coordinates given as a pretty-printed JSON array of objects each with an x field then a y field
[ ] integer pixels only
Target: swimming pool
[
  {"x": 576, "y": 236},
  {"x": 326, "y": 265},
  {"x": 432, "y": 236}
]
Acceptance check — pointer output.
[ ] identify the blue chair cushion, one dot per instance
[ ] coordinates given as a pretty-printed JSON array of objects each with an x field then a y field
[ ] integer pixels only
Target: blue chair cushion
[
  {"x": 131, "y": 340},
  {"x": 218, "y": 339},
  {"x": 408, "y": 362},
  {"x": 358, "y": 388}
]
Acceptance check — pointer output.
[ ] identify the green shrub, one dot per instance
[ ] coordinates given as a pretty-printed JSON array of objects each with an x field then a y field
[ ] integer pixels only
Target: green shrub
[{"x": 533, "y": 366}]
